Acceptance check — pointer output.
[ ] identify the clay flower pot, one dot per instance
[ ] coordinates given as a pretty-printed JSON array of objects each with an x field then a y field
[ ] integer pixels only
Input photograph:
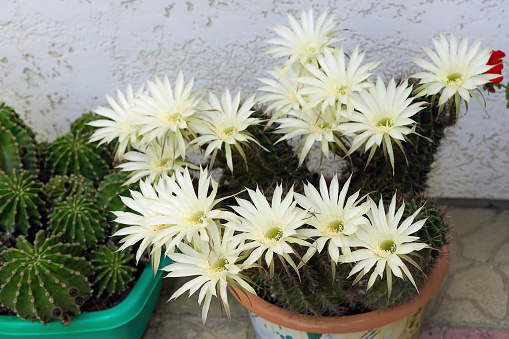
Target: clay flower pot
[{"x": 402, "y": 321}]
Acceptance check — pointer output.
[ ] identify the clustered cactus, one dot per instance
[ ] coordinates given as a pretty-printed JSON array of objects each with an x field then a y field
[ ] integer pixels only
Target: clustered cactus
[
  {"x": 308, "y": 294},
  {"x": 72, "y": 153},
  {"x": 79, "y": 219},
  {"x": 21, "y": 204},
  {"x": 44, "y": 279},
  {"x": 17, "y": 143},
  {"x": 54, "y": 224},
  {"x": 60, "y": 187},
  {"x": 113, "y": 270}
]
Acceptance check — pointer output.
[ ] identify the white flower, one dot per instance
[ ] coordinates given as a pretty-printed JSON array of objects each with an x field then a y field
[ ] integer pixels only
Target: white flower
[
  {"x": 166, "y": 112},
  {"x": 333, "y": 82},
  {"x": 188, "y": 212},
  {"x": 334, "y": 217},
  {"x": 225, "y": 123},
  {"x": 152, "y": 161},
  {"x": 313, "y": 126},
  {"x": 215, "y": 265},
  {"x": 270, "y": 229},
  {"x": 119, "y": 121},
  {"x": 384, "y": 115},
  {"x": 385, "y": 243},
  {"x": 144, "y": 226},
  {"x": 303, "y": 42},
  {"x": 456, "y": 69},
  {"x": 283, "y": 92}
]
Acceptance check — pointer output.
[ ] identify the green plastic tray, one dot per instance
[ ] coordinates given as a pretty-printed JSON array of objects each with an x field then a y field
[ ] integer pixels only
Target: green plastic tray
[{"x": 126, "y": 320}]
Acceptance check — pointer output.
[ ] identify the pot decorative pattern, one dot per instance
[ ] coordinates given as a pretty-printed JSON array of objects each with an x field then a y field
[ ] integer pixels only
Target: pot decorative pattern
[{"x": 408, "y": 327}]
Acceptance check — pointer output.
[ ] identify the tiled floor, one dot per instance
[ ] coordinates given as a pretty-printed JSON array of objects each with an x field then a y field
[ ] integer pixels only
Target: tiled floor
[{"x": 472, "y": 303}]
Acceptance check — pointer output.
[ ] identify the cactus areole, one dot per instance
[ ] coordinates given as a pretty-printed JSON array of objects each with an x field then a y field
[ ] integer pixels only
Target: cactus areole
[{"x": 287, "y": 323}]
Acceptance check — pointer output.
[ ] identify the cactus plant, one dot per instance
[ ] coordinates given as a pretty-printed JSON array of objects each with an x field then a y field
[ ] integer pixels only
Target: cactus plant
[
  {"x": 79, "y": 126},
  {"x": 419, "y": 151},
  {"x": 45, "y": 279},
  {"x": 21, "y": 201},
  {"x": 79, "y": 219},
  {"x": 308, "y": 294},
  {"x": 62, "y": 186},
  {"x": 72, "y": 154},
  {"x": 108, "y": 195},
  {"x": 264, "y": 168},
  {"x": 113, "y": 270},
  {"x": 17, "y": 143}
]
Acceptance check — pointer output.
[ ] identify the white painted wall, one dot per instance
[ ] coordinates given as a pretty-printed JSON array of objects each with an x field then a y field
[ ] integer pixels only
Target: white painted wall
[{"x": 58, "y": 58}]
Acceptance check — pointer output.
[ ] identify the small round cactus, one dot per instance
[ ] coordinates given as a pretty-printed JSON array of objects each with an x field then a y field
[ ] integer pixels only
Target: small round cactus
[
  {"x": 113, "y": 270},
  {"x": 79, "y": 126},
  {"x": 17, "y": 143},
  {"x": 21, "y": 201},
  {"x": 44, "y": 280},
  {"x": 62, "y": 186},
  {"x": 109, "y": 193},
  {"x": 79, "y": 219},
  {"x": 72, "y": 154}
]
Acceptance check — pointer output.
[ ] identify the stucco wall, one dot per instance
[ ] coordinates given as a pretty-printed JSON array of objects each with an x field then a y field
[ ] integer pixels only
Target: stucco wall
[{"x": 59, "y": 58}]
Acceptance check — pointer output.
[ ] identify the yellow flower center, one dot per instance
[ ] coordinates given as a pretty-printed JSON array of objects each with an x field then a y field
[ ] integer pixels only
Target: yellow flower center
[
  {"x": 171, "y": 118},
  {"x": 319, "y": 127},
  {"x": 384, "y": 126},
  {"x": 454, "y": 79},
  {"x": 273, "y": 235},
  {"x": 196, "y": 218},
  {"x": 334, "y": 227},
  {"x": 386, "y": 248},
  {"x": 341, "y": 90},
  {"x": 306, "y": 49},
  {"x": 227, "y": 132},
  {"x": 127, "y": 127},
  {"x": 217, "y": 267}
]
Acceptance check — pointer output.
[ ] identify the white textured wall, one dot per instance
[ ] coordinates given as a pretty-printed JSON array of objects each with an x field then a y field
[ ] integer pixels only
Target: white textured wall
[{"x": 59, "y": 58}]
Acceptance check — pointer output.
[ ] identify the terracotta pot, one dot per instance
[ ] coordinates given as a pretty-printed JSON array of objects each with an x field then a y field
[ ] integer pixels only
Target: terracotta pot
[{"x": 392, "y": 320}]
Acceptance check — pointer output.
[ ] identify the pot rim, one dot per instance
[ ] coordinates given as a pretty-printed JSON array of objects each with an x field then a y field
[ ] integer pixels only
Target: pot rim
[{"x": 350, "y": 323}]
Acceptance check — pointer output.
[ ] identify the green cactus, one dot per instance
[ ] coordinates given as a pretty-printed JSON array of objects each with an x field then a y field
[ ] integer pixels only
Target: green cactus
[
  {"x": 17, "y": 143},
  {"x": 315, "y": 293},
  {"x": 113, "y": 270},
  {"x": 79, "y": 126},
  {"x": 411, "y": 168},
  {"x": 79, "y": 219},
  {"x": 21, "y": 202},
  {"x": 45, "y": 280},
  {"x": 108, "y": 195},
  {"x": 72, "y": 154},
  {"x": 62, "y": 186},
  {"x": 42, "y": 152},
  {"x": 264, "y": 168}
]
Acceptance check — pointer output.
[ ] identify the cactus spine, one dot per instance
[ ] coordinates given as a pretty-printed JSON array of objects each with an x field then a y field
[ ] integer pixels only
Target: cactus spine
[
  {"x": 44, "y": 280},
  {"x": 62, "y": 186},
  {"x": 113, "y": 270},
  {"x": 72, "y": 154},
  {"x": 79, "y": 219},
  {"x": 108, "y": 195},
  {"x": 21, "y": 203},
  {"x": 17, "y": 143}
]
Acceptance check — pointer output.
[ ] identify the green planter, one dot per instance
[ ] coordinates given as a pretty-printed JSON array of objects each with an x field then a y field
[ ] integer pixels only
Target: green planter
[{"x": 126, "y": 320}]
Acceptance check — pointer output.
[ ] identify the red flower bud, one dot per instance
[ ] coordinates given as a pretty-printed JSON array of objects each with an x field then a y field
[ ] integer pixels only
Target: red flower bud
[
  {"x": 496, "y": 57},
  {"x": 496, "y": 60}
]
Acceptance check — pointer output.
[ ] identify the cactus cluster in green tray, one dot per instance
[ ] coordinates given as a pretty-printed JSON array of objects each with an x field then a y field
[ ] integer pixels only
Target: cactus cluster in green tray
[
  {"x": 54, "y": 222},
  {"x": 113, "y": 270},
  {"x": 17, "y": 143},
  {"x": 44, "y": 279}
]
